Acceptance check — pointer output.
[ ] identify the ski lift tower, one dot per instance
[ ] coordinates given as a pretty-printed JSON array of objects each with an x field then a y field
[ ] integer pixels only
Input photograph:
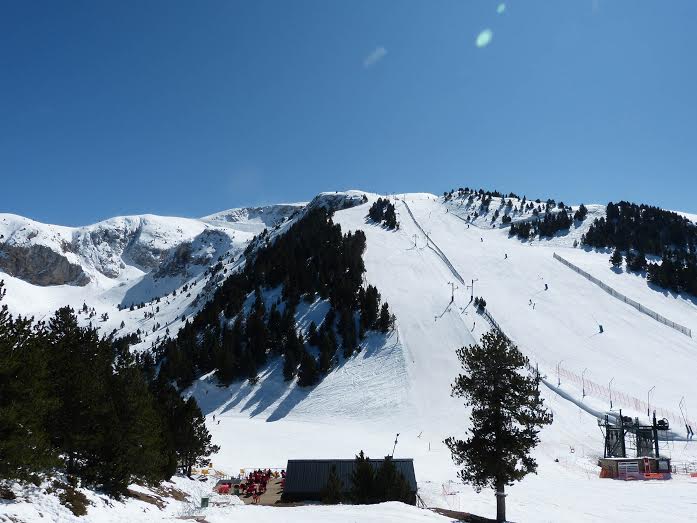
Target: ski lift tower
[{"x": 643, "y": 439}]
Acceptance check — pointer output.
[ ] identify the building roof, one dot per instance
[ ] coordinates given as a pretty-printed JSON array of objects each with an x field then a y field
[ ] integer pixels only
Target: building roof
[{"x": 309, "y": 476}]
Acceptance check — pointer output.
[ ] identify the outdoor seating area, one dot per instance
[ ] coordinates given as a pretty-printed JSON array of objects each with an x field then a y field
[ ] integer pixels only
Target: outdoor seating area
[{"x": 260, "y": 486}]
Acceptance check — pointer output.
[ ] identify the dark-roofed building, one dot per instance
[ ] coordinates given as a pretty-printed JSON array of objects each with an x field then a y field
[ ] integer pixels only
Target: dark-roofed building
[{"x": 306, "y": 478}]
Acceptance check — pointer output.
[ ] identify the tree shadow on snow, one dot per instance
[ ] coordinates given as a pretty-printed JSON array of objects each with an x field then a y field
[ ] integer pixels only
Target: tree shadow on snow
[{"x": 272, "y": 393}]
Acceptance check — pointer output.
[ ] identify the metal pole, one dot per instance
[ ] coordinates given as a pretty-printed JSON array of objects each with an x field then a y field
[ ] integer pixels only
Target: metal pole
[
  {"x": 559, "y": 373},
  {"x": 609, "y": 388},
  {"x": 648, "y": 401},
  {"x": 472, "y": 287},
  {"x": 624, "y": 449},
  {"x": 452, "y": 291},
  {"x": 395, "y": 444},
  {"x": 583, "y": 382}
]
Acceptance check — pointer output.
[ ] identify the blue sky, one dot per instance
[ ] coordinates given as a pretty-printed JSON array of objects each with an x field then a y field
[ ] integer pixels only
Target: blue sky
[{"x": 186, "y": 108}]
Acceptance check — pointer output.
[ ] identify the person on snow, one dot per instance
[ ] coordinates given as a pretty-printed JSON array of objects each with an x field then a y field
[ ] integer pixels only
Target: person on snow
[{"x": 546, "y": 287}]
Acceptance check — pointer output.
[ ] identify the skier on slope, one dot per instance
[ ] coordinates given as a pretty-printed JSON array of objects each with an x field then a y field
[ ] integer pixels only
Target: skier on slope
[{"x": 546, "y": 287}]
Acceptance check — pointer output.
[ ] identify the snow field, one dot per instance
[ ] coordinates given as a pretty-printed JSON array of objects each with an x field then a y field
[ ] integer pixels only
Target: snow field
[{"x": 401, "y": 383}]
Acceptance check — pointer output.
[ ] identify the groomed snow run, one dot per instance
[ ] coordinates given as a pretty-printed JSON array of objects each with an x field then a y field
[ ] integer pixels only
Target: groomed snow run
[{"x": 401, "y": 383}]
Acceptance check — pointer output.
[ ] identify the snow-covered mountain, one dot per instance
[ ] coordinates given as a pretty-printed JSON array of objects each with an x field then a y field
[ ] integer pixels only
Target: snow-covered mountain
[
  {"x": 401, "y": 383},
  {"x": 122, "y": 261}
]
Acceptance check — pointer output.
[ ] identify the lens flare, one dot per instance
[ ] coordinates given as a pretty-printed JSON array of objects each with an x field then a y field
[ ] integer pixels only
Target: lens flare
[{"x": 484, "y": 38}]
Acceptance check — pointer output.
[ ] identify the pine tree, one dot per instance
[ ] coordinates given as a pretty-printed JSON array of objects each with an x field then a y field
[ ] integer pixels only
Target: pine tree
[
  {"x": 581, "y": 213},
  {"x": 331, "y": 494},
  {"x": 312, "y": 337},
  {"x": 308, "y": 373},
  {"x": 81, "y": 374},
  {"x": 636, "y": 262},
  {"x": 25, "y": 399},
  {"x": 390, "y": 217},
  {"x": 362, "y": 480},
  {"x": 390, "y": 484},
  {"x": 616, "y": 259},
  {"x": 192, "y": 441},
  {"x": 507, "y": 414},
  {"x": 140, "y": 432},
  {"x": 290, "y": 366},
  {"x": 226, "y": 359},
  {"x": 385, "y": 321}
]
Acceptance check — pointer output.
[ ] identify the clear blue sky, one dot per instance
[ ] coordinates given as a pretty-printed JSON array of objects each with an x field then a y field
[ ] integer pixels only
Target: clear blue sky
[{"x": 186, "y": 108}]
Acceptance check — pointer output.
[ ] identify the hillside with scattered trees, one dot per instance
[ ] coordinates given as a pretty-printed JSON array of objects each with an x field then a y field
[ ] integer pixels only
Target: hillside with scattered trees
[
  {"x": 76, "y": 402},
  {"x": 312, "y": 260},
  {"x": 525, "y": 218},
  {"x": 636, "y": 231}
]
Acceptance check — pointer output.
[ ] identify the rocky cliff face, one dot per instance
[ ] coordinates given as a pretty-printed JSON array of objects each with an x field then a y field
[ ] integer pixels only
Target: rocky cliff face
[
  {"x": 44, "y": 255},
  {"x": 40, "y": 265}
]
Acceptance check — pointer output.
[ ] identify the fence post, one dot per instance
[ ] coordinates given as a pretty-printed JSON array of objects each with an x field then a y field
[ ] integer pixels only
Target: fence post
[{"x": 641, "y": 308}]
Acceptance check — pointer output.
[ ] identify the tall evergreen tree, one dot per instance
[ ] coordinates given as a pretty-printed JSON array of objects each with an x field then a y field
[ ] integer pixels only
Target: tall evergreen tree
[
  {"x": 390, "y": 484},
  {"x": 331, "y": 494},
  {"x": 140, "y": 433},
  {"x": 308, "y": 372},
  {"x": 386, "y": 321},
  {"x": 25, "y": 400},
  {"x": 616, "y": 259},
  {"x": 362, "y": 480},
  {"x": 290, "y": 366},
  {"x": 192, "y": 441},
  {"x": 507, "y": 414},
  {"x": 81, "y": 375}
]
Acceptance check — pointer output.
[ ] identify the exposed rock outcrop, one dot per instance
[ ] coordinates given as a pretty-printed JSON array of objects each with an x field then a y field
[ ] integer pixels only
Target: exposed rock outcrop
[{"x": 40, "y": 265}]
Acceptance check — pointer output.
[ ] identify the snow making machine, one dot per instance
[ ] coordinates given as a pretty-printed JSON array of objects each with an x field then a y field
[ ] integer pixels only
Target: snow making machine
[{"x": 623, "y": 434}]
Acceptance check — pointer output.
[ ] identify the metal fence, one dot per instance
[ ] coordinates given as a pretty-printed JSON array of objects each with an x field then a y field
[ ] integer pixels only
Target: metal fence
[
  {"x": 612, "y": 292},
  {"x": 620, "y": 399},
  {"x": 596, "y": 390}
]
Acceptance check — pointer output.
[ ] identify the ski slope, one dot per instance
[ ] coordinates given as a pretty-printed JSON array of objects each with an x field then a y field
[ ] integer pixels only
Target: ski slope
[
  {"x": 401, "y": 383},
  {"x": 405, "y": 383}
]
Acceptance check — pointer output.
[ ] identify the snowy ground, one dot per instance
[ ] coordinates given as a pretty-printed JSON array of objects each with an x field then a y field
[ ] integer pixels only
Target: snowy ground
[
  {"x": 34, "y": 505},
  {"x": 401, "y": 384},
  {"x": 634, "y": 350}
]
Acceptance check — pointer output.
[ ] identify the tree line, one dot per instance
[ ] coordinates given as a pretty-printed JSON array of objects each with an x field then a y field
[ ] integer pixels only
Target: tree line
[
  {"x": 76, "y": 402},
  {"x": 235, "y": 338},
  {"x": 546, "y": 227},
  {"x": 369, "y": 484},
  {"x": 639, "y": 230}
]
